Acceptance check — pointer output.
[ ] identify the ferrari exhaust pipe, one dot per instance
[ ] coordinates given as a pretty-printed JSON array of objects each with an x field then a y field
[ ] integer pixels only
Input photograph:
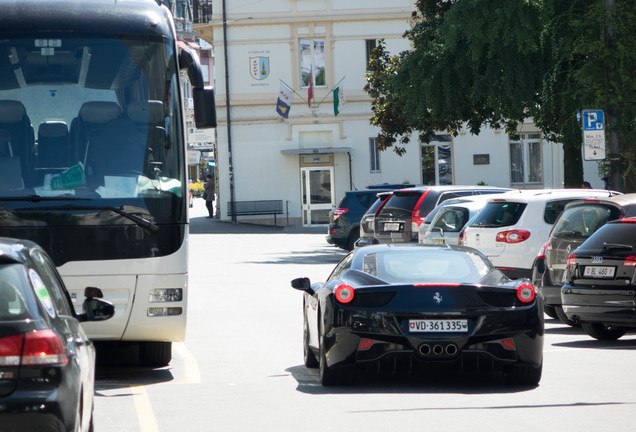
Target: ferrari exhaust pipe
[
  {"x": 425, "y": 349},
  {"x": 438, "y": 350},
  {"x": 451, "y": 349}
]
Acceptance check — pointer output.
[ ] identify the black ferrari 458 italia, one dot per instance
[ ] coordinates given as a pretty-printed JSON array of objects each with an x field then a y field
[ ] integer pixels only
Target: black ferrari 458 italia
[{"x": 405, "y": 305}]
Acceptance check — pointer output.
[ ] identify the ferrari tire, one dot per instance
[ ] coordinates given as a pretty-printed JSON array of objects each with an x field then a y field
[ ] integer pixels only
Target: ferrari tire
[
  {"x": 330, "y": 376},
  {"x": 601, "y": 331},
  {"x": 309, "y": 357},
  {"x": 523, "y": 375},
  {"x": 550, "y": 311},
  {"x": 563, "y": 317}
]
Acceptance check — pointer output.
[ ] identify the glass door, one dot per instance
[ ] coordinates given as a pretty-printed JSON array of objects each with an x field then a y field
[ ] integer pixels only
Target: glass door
[{"x": 317, "y": 195}]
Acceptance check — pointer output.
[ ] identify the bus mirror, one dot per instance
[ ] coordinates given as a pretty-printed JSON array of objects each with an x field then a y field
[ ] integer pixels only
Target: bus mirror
[
  {"x": 190, "y": 61},
  {"x": 204, "y": 108}
]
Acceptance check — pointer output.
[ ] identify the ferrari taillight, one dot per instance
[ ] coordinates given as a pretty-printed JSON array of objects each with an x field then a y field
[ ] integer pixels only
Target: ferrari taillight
[
  {"x": 525, "y": 292},
  {"x": 344, "y": 293},
  {"x": 513, "y": 236}
]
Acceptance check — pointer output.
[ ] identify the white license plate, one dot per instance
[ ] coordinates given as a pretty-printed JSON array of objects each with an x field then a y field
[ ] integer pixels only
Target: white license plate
[
  {"x": 601, "y": 272},
  {"x": 438, "y": 326},
  {"x": 392, "y": 226},
  {"x": 438, "y": 241}
]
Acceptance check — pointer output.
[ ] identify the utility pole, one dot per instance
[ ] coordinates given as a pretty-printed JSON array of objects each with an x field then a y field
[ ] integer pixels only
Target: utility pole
[{"x": 227, "y": 115}]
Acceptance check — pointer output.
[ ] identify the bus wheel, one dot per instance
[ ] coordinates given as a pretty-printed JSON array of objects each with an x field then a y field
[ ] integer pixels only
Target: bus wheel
[{"x": 155, "y": 354}]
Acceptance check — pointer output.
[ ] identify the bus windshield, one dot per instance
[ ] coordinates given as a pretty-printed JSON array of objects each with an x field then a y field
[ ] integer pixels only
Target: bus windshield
[{"x": 94, "y": 120}]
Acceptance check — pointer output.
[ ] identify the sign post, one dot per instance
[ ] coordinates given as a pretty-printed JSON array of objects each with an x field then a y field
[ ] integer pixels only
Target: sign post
[{"x": 593, "y": 135}]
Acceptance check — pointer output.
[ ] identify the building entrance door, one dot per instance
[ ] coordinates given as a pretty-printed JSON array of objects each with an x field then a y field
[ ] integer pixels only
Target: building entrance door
[{"x": 318, "y": 195}]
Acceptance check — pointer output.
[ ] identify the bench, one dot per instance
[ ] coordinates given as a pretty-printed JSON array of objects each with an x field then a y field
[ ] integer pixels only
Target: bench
[{"x": 250, "y": 208}]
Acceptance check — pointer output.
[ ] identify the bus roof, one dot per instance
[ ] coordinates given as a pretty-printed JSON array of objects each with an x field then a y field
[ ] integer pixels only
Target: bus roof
[{"x": 30, "y": 17}]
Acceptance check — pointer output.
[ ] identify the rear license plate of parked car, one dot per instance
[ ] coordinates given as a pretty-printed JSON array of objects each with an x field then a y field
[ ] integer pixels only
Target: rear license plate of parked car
[
  {"x": 438, "y": 326},
  {"x": 392, "y": 226},
  {"x": 603, "y": 272}
]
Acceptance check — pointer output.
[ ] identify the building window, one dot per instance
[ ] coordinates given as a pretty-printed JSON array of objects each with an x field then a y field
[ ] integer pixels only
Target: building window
[
  {"x": 375, "y": 155},
  {"x": 437, "y": 161},
  {"x": 312, "y": 59},
  {"x": 371, "y": 45},
  {"x": 525, "y": 159}
]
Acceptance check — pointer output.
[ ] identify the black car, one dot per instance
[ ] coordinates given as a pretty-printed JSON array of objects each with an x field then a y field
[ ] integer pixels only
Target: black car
[
  {"x": 399, "y": 218},
  {"x": 344, "y": 221},
  {"x": 599, "y": 281},
  {"x": 421, "y": 304},
  {"x": 47, "y": 363},
  {"x": 579, "y": 220}
]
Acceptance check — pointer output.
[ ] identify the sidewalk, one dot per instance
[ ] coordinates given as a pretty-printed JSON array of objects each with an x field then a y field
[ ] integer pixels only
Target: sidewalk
[{"x": 201, "y": 224}]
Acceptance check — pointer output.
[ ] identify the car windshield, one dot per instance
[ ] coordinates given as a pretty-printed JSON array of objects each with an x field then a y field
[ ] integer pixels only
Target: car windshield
[
  {"x": 499, "y": 214},
  {"x": 426, "y": 266}
]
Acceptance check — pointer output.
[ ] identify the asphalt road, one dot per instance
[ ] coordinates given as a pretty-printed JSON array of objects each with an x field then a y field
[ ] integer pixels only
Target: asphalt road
[{"x": 240, "y": 368}]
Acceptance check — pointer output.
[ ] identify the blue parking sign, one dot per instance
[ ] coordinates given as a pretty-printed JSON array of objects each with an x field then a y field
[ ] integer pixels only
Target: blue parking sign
[{"x": 593, "y": 135}]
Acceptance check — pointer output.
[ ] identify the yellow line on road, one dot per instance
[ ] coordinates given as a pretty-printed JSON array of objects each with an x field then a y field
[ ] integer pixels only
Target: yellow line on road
[
  {"x": 145, "y": 415},
  {"x": 190, "y": 364}
]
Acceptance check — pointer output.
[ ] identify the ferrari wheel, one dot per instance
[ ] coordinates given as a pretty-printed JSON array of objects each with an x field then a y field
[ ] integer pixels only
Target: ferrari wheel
[
  {"x": 330, "y": 376},
  {"x": 523, "y": 375},
  {"x": 308, "y": 355},
  {"x": 601, "y": 331}
]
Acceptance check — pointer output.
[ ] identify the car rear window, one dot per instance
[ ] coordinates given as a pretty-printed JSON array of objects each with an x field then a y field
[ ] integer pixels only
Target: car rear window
[
  {"x": 451, "y": 219},
  {"x": 499, "y": 214},
  {"x": 609, "y": 234},
  {"x": 584, "y": 220},
  {"x": 554, "y": 208},
  {"x": 366, "y": 199},
  {"x": 403, "y": 200},
  {"x": 13, "y": 305}
]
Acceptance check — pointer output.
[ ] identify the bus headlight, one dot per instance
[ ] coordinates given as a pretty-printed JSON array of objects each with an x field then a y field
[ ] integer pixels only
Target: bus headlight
[
  {"x": 164, "y": 311},
  {"x": 165, "y": 295}
]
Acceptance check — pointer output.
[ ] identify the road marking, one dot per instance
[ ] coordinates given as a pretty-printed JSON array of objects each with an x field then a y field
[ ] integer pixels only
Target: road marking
[
  {"x": 190, "y": 364},
  {"x": 145, "y": 414}
]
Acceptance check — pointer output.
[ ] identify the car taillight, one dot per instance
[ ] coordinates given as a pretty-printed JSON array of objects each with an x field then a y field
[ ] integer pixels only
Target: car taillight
[
  {"x": 513, "y": 236},
  {"x": 339, "y": 212},
  {"x": 630, "y": 261},
  {"x": 10, "y": 349},
  {"x": 525, "y": 292},
  {"x": 43, "y": 347},
  {"x": 416, "y": 216},
  {"x": 571, "y": 261},
  {"x": 541, "y": 254},
  {"x": 344, "y": 293}
]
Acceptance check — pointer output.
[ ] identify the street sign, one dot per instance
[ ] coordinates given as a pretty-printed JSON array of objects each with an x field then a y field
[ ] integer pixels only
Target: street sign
[{"x": 593, "y": 135}]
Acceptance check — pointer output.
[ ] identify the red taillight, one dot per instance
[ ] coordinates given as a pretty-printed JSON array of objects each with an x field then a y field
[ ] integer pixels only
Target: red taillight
[
  {"x": 436, "y": 284},
  {"x": 339, "y": 212},
  {"x": 630, "y": 261},
  {"x": 525, "y": 292},
  {"x": 629, "y": 220},
  {"x": 571, "y": 261},
  {"x": 344, "y": 293},
  {"x": 365, "y": 344},
  {"x": 513, "y": 236},
  {"x": 508, "y": 344},
  {"x": 541, "y": 254},
  {"x": 10, "y": 349},
  {"x": 416, "y": 216},
  {"x": 43, "y": 347}
]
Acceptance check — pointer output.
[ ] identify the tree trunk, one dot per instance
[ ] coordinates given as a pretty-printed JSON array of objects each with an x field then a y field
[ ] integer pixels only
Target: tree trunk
[{"x": 572, "y": 160}]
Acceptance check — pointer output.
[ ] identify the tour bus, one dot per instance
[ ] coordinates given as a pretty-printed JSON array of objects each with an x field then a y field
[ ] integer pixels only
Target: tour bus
[{"x": 92, "y": 156}]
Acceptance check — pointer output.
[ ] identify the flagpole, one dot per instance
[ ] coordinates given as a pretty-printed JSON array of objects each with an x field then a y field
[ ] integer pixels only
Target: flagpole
[
  {"x": 329, "y": 92},
  {"x": 293, "y": 91}
]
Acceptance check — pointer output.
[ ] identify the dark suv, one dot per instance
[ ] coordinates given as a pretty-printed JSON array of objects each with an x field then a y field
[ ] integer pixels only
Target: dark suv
[
  {"x": 579, "y": 220},
  {"x": 599, "y": 281},
  {"x": 344, "y": 221},
  {"x": 399, "y": 217}
]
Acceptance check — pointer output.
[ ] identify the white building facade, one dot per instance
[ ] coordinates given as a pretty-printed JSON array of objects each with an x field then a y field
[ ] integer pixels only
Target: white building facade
[{"x": 309, "y": 159}]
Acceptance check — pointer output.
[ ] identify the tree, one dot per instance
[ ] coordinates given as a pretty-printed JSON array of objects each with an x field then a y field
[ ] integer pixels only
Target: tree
[{"x": 494, "y": 63}]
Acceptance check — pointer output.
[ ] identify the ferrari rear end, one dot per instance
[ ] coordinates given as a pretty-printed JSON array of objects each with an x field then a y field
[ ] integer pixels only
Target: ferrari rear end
[{"x": 470, "y": 326}]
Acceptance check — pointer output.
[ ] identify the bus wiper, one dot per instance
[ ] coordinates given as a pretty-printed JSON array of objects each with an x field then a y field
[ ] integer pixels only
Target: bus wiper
[
  {"x": 144, "y": 224},
  {"x": 38, "y": 198}
]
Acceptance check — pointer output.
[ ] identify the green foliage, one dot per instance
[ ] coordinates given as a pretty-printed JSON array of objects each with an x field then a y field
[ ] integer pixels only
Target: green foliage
[{"x": 496, "y": 62}]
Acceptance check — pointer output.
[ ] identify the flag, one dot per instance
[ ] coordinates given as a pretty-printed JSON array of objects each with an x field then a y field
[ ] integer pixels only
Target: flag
[
  {"x": 339, "y": 100},
  {"x": 310, "y": 92},
  {"x": 283, "y": 105}
]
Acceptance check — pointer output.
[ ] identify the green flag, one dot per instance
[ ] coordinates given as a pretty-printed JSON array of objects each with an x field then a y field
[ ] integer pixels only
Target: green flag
[{"x": 339, "y": 100}]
